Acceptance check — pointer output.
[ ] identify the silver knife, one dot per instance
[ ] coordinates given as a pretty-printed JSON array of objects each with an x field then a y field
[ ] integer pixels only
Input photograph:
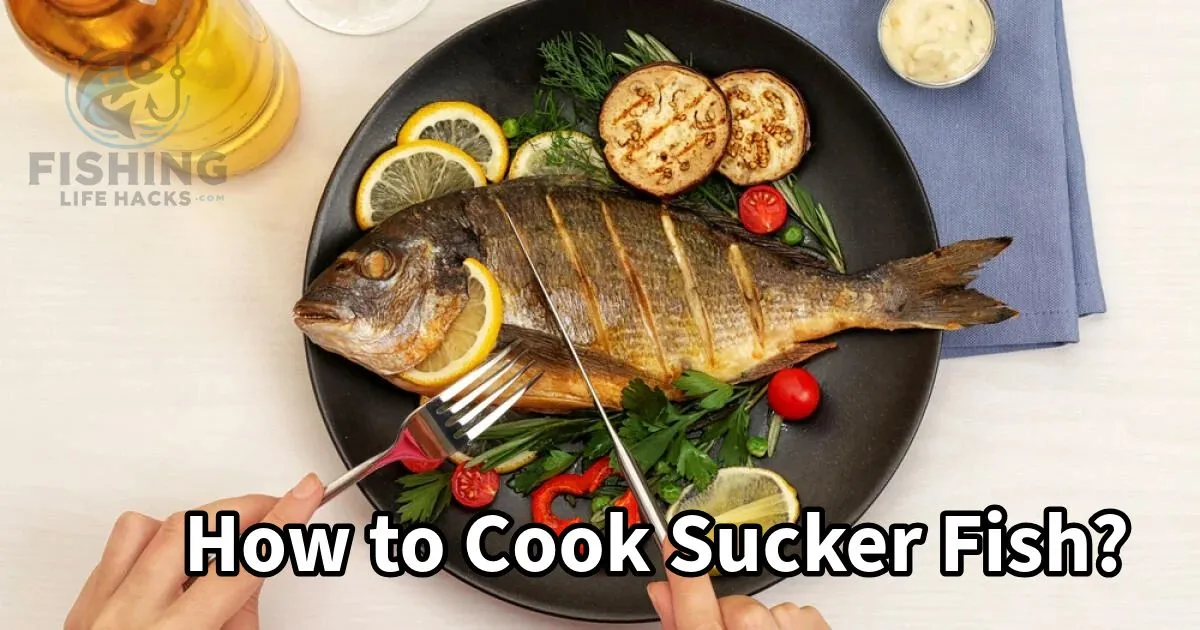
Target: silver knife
[{"x": 632, "y": 475}]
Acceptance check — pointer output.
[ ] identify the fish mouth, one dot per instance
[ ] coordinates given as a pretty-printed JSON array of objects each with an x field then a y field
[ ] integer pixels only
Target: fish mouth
[{"x": 308, "y": 313}]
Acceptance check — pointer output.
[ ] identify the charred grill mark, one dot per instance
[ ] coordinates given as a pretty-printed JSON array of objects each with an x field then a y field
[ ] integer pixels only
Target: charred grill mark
[
  {"x": 680, "y": 117},
  {"x": 590, "y": 294},
  {"x": 635, "y": 287},
  {"x": 750, "y": 296},
  {"x": 695, "y": 304},
  {"x": 644, "y": 100}
]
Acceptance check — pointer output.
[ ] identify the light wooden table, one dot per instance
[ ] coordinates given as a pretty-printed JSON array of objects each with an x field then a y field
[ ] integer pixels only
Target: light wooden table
[{"x": 147, "y": 360}]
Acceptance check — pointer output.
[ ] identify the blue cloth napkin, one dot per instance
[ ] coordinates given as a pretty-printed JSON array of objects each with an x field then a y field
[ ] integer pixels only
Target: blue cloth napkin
[{"x": 999, "y": 155}]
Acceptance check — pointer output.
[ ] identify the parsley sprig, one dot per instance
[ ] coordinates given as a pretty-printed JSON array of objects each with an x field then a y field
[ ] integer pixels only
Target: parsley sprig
[
  {"x": 675, "y": 443},
  {"x": 423, "y": 496}
]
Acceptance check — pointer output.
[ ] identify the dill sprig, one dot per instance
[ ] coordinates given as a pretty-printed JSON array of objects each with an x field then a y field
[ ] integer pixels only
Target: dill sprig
[
  {"x": 642, "y": 49},
  {"x": 813, "y": 217},
  {"x": 568, "y": 153},
  {"x": 579, "y": 65},
  {"x": 548, "y": 114}
]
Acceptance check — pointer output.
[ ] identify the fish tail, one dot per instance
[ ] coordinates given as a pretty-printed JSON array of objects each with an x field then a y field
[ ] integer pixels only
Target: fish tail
[{"x": 932, "y": 288}]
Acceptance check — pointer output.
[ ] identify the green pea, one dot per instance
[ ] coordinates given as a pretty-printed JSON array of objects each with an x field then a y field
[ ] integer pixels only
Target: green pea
[
  {"x": 511, "y": 127},
  {"x": 793, "y": 236}
]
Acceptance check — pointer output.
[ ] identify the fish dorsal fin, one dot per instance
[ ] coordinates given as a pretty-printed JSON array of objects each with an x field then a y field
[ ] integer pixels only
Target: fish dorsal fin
[
  {"x": 731, "y": 227},
  {"x": 722, "y": 223}
]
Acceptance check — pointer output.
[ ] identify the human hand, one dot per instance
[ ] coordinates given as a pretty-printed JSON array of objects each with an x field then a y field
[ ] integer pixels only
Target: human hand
[
  {"x": 139, "y": 582},
  {"x": 690, "y": 603}
]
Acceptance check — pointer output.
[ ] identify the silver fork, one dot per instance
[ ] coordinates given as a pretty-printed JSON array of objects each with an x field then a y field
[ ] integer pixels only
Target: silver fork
[
  {"x": 447, "y": 410},
  {"x": 454, "y": 410}
]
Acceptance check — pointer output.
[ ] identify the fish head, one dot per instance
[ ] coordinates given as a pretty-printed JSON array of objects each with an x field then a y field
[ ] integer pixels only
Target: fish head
[{"x": 387, "y": 303}]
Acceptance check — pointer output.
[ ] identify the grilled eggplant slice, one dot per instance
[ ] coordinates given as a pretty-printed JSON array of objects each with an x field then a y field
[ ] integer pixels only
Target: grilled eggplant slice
[
  {"x": 770, "y": 130},
  {"x": 665, "y": 127}
]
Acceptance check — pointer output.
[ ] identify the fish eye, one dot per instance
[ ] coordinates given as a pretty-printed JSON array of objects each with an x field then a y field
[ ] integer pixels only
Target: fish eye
[{"x": 378, "y": 264}]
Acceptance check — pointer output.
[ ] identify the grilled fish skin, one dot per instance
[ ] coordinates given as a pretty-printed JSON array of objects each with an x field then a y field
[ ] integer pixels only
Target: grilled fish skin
[{"x": 645, "y": 290}]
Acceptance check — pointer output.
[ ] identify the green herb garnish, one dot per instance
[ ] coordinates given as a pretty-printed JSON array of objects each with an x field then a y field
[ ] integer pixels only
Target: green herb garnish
[
  {"x": 641, "y": 49},
  {"x": 773, "y": 428},
  {"x": 541, "y": 469},
  {"x": 547, "y": 115},
  {"x": 813, "y": 217},
  {"x": 579, "y": 65},
  {"x": 713, "y": 394},
  {"x": 714, "y": 193},
  {"x": 424, "y": 496},
  {"x": 568, "y": 153}
]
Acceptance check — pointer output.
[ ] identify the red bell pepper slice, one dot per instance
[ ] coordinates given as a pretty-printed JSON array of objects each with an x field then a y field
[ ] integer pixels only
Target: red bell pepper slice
[
  {"x": 629, "y": 502},
  {"x": 542, "y": 499}
]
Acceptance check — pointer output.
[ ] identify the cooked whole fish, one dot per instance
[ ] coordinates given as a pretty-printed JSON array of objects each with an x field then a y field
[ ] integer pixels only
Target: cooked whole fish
[{"x": 645, "y": 290}]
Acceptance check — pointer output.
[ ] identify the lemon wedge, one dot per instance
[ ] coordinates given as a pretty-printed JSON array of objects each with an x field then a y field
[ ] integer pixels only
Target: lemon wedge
[
  {"x": 464, "y": 126},
  {"x": 743, "y": 496},
  {"x": 472, "y": 335},
  {"x": 530, "y": 160},
  {"x": 412, "y": 173}
]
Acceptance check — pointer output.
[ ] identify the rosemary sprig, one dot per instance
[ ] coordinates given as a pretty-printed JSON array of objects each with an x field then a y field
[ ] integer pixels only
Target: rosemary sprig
[
  {"x": 813, "y": 217},
  {"x": 579, "y": 65},
  {"x": 773, "y": 430},
  {"x": 641, "y": 49}
]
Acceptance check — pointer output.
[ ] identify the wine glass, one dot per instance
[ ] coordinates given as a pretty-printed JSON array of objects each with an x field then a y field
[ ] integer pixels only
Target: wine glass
[{"x": 359, "y": 17}]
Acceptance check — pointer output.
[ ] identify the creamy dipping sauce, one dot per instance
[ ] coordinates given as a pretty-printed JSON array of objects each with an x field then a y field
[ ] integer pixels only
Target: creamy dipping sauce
[{"x": 936, "y": 41}]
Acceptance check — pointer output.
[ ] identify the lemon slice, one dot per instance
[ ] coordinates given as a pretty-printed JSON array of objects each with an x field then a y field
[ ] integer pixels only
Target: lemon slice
[
  {"x": 531, "y": 158},
  {"x": 412, "y": 173},
  {"x": 464, "y": 126},
  {"x": 472, "y": 335},
  {"x": 742, "y": 496}
]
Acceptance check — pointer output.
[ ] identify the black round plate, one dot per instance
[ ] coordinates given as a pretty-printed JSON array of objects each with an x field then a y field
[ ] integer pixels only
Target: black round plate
[{"x": 875, "y": 384}]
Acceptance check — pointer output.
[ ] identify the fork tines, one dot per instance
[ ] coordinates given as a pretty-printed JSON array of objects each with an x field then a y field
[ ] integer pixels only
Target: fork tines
[{"x": 504, "y": 381}]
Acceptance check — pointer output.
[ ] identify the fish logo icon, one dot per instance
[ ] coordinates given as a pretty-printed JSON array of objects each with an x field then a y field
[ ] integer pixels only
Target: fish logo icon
[{"x": 127, "y": 105}]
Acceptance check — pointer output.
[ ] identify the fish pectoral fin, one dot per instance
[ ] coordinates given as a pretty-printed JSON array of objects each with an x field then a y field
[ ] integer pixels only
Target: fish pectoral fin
[
  {"x": 796, "y": 354},
  {"x": 562, "y": 380},
  {"x": 550, "y": 351}
]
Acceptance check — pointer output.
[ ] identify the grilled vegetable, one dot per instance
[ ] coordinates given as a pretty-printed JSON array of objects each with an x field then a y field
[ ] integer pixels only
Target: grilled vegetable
[
  {"x": 645, "y": 290},
  {"x": 665, "y": 127},
  {"x": 770, "y": 130}
]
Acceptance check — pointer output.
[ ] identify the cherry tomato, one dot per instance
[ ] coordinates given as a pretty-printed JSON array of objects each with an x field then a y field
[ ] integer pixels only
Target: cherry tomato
[
  {"x": 793, "y": 393},
  {"x": 762, "y": 209},
  {"x": 472, "y": 487},
  {"x": 413, "y": 458}
]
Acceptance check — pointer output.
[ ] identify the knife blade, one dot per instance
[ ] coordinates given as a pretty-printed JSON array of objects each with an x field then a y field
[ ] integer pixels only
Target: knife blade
[{"x": 632, "y": 474}]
